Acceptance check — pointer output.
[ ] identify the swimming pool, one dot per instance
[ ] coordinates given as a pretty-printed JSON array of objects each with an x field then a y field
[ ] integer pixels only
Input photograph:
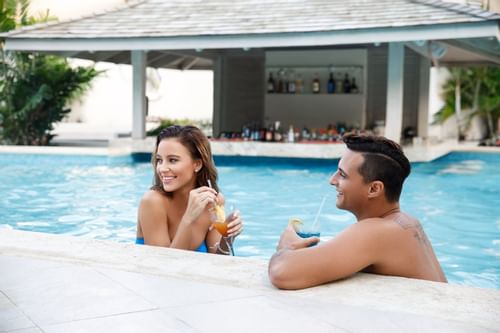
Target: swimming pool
[{"x": 456, "y": 198}]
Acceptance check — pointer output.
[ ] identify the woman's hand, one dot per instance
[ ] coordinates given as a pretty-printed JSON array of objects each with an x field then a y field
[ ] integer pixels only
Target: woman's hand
[
  {"x": 234, "y": 224},
  {"x": 198, "y": 200}
]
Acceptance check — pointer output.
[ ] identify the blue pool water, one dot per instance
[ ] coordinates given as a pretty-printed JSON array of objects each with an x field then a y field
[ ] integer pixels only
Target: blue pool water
[{"x": 457, "y": 199}]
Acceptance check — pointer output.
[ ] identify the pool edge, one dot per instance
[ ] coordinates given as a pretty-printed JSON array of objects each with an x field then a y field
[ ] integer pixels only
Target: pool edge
[{"x": 436, "y": 301}]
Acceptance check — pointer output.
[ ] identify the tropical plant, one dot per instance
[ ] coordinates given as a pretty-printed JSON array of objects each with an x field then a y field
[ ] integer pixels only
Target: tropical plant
[
  {"x": 34, "y": 88},
  {"x": 164, "y": 123},
  {"x": 476, "y": 89}
]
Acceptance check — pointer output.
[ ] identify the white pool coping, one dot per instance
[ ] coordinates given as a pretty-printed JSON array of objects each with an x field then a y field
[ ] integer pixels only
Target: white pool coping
[
  {"x": 54, "y": 283},
  {"x": 127, "y": 146}
]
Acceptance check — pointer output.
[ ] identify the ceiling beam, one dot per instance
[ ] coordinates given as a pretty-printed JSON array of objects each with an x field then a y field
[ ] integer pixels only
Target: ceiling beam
[{"x": 188, "y": 64}]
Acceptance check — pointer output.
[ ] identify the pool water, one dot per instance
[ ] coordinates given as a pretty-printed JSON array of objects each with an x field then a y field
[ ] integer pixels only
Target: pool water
[{"x": 457, "y": 199}]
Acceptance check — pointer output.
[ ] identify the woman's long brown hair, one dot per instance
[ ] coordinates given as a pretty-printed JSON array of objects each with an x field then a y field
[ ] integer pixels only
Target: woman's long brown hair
[{"x": 197, "y": 144}]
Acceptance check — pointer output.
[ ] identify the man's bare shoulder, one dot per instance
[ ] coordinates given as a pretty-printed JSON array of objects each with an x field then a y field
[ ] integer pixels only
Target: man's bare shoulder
[
  {"x": 365, "y": 231},
  {"x": 376, "y": 229},
  {"x": 397, "y": 221}
]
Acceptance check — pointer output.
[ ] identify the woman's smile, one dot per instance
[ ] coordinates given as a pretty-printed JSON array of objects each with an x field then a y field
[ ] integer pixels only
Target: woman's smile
[{"x": 166, "y": 180}]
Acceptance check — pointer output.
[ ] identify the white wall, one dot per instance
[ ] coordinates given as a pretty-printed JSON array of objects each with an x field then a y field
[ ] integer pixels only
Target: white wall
[
  {"x": 172, "y": 94},
  {"x": 438, "y": 77},
  {"x": 108, "y": 104}
]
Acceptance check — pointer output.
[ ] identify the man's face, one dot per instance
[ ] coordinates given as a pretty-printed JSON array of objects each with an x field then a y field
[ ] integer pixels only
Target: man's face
[{"x": 352, "y": 191}]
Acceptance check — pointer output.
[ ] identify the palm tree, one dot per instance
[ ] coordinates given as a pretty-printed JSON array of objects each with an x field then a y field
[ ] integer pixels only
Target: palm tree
[{"x": 476, "y": 89}]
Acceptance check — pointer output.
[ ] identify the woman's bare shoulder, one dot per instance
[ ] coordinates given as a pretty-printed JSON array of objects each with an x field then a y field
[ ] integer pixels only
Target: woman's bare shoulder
[
  {"x": 153, "y": 197},
  {"x": 153, "y": 207}
]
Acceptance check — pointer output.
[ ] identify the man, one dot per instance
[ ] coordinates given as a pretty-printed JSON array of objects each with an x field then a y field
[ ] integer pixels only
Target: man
[{"x": 384, "y": 240}]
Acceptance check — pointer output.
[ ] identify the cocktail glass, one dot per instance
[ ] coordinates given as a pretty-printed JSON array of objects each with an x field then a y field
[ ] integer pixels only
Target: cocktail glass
[
  {"x": 218, "y": 219},
  {"x": 305, "y": 231}
]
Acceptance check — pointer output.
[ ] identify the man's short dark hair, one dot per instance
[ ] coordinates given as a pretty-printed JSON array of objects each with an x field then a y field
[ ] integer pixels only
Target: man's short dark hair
[{"x": 384, "y": 160}]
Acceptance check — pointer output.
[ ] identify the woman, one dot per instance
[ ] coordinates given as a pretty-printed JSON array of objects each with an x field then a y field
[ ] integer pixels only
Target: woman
[{"x": 175, "y": 211}]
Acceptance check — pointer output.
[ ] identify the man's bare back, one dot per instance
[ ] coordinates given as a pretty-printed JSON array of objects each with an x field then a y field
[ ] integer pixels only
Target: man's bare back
[{"x": 409, "y": 252}]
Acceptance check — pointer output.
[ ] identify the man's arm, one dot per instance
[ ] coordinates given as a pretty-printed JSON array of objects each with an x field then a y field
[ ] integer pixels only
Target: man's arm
[{"x": 295, "y": 266}]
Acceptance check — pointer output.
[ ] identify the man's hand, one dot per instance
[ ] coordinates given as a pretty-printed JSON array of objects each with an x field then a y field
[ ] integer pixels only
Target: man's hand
[{"x": 290, "y": 240}]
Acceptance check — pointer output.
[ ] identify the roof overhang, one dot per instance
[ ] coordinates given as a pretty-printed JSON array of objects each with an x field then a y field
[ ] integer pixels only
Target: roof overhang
[
  {"x": 474, "y": 42},
  {"x": 323, "y": 38}
]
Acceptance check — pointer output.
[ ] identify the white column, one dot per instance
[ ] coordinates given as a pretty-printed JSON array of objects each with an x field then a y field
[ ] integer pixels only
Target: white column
[
  {"x": 218, "y": 96},
  {"x": 394, "y": 107},
  {"x": 423, "y": 97},
  {"x": 138, "y": 94}
]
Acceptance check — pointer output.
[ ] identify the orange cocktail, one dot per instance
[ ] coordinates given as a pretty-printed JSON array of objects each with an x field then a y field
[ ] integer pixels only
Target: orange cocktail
[{"x": 219, "y": 220}]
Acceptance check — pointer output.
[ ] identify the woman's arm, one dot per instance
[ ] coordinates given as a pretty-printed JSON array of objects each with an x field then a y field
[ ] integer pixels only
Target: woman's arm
[
  {"x": 198, "y": 201},
  {"x": 153, "y": 218}
]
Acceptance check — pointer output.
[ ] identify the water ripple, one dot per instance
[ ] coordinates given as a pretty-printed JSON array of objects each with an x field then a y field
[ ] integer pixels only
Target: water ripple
[{"x": 456, "y": 198}]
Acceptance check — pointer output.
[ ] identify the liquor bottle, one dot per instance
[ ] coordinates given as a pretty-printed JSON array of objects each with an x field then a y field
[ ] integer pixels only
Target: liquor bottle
[
  {"x": 291, "y": 83},
  {"x": 331, "y": 84},
  {"x": 254, "y": 134},
  {"x": 280, "y": 81},
  {"x": 346, "y": 84},
  {"x": 270, "y": 133},
  {"x": 277, "y": 132},
  {"x": 262, "y": 134},
  {"x": 314, "y": 135},
  {"x": 354, "y": 86},
  {"x": 316, "y": 84},
  {"x": 246, "y": 133},
  {"x": 339, "y": 84},
  {"x": 291, "y": 134},
  {"x": 270, "y": 84},
  {"x": 305, "y": 133},
  {"x": 286, "y": 81},
  {"x": 299, "y": 84}
]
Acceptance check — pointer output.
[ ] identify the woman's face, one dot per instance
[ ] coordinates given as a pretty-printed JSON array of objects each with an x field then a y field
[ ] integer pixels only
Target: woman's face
[{"x": 175, "y": 166}]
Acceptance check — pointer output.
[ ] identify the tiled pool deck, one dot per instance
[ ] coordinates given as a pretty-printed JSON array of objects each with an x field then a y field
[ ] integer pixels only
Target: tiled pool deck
[{"x": 54, "y": 283}]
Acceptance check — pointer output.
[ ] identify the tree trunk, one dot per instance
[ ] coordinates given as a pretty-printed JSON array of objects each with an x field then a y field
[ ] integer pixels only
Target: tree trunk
[
  {"x": 475, "y": 103},
  {"x": 491, "y": 130}
]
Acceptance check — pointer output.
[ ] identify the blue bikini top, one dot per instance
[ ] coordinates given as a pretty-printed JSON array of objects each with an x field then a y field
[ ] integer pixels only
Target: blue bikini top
[{"x": 201, "y": 248}]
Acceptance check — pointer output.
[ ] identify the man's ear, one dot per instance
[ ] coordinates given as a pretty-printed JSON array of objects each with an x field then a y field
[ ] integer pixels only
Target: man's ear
[{"x": 376, "y": 189}]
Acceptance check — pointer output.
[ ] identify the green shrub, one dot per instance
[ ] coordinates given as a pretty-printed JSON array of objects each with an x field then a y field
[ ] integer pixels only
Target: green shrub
[
  {"x": 34, "y": 88},
  {"x": 34, "y": 94},
  {"x": 203, "y": 125}
]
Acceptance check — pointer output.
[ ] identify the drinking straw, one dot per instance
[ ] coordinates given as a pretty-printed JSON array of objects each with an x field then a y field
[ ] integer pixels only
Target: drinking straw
[{"x": 319, "y": 212}]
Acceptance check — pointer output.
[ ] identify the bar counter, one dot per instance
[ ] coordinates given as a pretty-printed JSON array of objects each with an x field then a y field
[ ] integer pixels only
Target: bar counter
[
  {"x": 309, "y": 149},
  {"x": 421, "y": 152}
]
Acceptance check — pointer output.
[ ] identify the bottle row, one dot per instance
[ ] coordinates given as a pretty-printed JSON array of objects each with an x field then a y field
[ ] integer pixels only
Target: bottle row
[
  {"x": 275, "y": 133},
  {"x": 288, "y": 82}
]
